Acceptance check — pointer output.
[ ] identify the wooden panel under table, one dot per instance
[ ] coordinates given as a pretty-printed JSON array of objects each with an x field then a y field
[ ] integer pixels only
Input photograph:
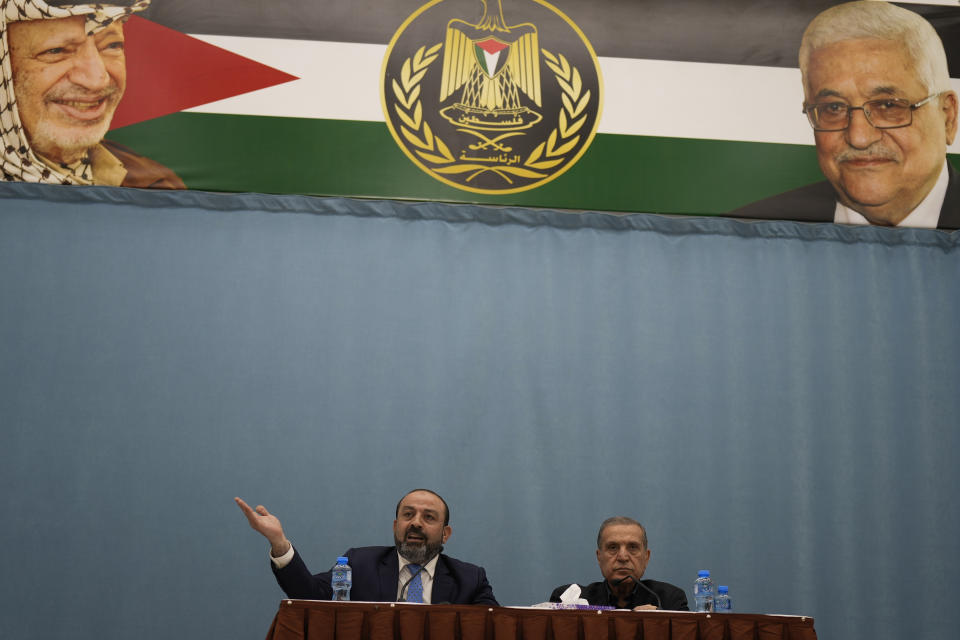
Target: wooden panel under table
[{"x": 319, "y": 620}]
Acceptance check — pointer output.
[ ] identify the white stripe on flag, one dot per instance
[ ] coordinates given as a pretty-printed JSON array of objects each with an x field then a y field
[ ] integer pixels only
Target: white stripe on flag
[
  {"x": 341, "y": 81},
  {"x": 491, "y": 61}
]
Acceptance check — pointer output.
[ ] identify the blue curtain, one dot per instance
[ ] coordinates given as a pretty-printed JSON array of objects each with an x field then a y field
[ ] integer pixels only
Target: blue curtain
[{"x": 776, "y": 402}]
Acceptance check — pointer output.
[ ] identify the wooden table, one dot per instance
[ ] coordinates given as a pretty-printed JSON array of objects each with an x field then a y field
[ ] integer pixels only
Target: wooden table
[{"x": 316, "y": 620}]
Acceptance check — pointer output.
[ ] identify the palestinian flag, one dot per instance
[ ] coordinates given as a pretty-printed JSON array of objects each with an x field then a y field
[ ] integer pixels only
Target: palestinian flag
[
  {"x": 490, "y": 55},
  {"x": 700, "y": 111}
]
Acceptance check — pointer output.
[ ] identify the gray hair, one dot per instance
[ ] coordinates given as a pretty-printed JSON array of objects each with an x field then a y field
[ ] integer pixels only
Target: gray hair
[
  {"x": 622, "y": 520},
  {"x": 882, "y": 21}
]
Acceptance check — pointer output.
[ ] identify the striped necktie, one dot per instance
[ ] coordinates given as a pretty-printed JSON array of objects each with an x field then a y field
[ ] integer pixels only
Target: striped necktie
[{"x": 415, "y": 586}]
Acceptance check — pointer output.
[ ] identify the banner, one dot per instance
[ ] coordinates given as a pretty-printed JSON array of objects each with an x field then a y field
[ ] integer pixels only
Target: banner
[{"x": 652, "y": 106}]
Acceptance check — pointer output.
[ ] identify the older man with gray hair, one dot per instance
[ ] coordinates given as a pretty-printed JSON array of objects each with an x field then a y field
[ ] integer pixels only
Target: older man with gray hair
[
  {"x": 623, "y": 554},
  {"x": 64, "y": 73},
  {"x": 877, "y": 94}
]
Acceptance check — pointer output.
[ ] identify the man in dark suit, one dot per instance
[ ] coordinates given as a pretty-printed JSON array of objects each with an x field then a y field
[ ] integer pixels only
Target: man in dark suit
[
  {"x": 623, "y": 556},
  {"x": 413, "y": 570},
  {"x": 877, "y": 94}
]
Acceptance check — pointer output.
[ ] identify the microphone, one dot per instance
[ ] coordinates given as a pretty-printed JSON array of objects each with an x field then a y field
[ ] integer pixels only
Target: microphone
[{"x": 617, "y": 583}]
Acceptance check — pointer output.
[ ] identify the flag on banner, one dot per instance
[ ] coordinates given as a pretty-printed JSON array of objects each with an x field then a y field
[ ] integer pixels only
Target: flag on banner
[{"x": 700, "y": 109}]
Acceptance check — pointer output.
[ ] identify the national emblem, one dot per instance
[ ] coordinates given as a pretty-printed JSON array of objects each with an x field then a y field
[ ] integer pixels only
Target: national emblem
[{"x": 508, "y": 131}]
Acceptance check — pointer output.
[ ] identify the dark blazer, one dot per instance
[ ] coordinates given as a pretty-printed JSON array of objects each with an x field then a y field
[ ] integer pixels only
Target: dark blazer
[
  {"x": 598, "y": 594},
  {"x": 816, "y": 203},
  {"x": 376, "y": 571}
]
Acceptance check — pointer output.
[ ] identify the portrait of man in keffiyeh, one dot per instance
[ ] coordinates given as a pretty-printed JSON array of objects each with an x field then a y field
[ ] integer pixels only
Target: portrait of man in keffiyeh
[{"x": 64, "y": 73}]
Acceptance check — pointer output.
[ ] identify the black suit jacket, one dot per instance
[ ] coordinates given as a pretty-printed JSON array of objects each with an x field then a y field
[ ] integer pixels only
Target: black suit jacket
[
  {"x": 376, "y": 571},
  {"x": 598, "y": 594},
  {"x": 817, "y": 202}
]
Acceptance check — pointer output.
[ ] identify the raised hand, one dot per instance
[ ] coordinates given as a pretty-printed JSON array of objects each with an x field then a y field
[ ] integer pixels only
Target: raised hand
[{"x": 267, "y": 525}]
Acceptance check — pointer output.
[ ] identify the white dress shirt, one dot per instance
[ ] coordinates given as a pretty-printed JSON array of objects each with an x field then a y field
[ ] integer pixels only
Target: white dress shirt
[{"x": 925, "y": 216}]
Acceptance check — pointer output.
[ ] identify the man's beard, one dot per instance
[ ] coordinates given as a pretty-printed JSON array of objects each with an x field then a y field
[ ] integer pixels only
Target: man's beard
[
  {"x": 418, "y": 553},
  {"x": 61, "y": 138},
  {"x": 68, "y": 143}
]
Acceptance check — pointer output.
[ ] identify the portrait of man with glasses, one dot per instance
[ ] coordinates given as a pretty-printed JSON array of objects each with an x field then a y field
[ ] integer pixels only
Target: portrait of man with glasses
[{"x": 877, "y": 95}]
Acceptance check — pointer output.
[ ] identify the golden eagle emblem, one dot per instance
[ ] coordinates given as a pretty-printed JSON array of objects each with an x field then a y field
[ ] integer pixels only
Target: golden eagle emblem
[
  {"x": 491, "y": 107},
  {"x": 493, "y": 63}
]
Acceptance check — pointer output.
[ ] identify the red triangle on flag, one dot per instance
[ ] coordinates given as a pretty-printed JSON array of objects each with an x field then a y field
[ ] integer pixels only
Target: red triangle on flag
[
  {"x": 168, "y": 71},
  {"x": 491, "y": 46}
]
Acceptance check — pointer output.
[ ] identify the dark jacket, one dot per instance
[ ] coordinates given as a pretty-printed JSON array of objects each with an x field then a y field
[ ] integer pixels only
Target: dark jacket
[
  {"x": 816, "y": 203},
  {"x": 598, "y": 594},
  {"x": 376, "y": 571}
]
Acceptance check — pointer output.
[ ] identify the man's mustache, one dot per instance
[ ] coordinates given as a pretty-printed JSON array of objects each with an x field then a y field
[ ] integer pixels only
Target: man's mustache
[
  {"x": 870, "y": 153},
  {"x": 76, "y": 93},
  {"x": 414, "y": 529}
]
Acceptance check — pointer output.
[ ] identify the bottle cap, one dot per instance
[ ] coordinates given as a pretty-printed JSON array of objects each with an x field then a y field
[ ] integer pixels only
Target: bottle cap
[
  {"x": 723, "y": 588},
  {"x": 703, "y": 573},
  {"x": 342, "y": 560}
]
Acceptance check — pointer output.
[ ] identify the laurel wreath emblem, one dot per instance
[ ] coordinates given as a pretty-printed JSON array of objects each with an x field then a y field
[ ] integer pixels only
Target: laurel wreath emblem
[{"x": 548, "y": 154}]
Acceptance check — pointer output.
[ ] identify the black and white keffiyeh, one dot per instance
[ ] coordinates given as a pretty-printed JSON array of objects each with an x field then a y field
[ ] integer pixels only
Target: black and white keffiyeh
[{"x": 18, "y": 161}]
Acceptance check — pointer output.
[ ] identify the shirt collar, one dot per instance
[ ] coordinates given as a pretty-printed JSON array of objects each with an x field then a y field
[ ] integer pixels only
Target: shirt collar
[
  {"x": 925, "y": 216},
  {"x": 429, "y": 568},
  {"x": 107, "y": 168}
]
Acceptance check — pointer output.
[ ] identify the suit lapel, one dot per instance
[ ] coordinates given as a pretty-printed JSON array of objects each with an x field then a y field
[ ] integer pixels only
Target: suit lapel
[
  {"x": 388, "y": 573},
  {"x": 443, "y": 585}
]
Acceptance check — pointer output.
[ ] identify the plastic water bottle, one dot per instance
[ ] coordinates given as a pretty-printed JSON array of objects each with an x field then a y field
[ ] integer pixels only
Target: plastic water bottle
[
  {"x": 722, "y": 603},
  {"x": 703, "y": 591},
  {"x": 341, "y": 580}
]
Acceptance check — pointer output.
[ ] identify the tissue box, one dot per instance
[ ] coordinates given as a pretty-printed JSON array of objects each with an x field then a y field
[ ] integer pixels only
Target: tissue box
[{"x": 578, "y": 607}]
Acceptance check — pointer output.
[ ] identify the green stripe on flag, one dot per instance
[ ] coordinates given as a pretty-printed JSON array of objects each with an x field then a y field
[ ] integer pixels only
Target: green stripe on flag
[
  {"x": 348, "y": 158},
  {"x": 478, "y": 53}
]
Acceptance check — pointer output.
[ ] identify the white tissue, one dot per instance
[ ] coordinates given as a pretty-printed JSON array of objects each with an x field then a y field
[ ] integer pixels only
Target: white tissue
[{"x": 572, "y": 595}]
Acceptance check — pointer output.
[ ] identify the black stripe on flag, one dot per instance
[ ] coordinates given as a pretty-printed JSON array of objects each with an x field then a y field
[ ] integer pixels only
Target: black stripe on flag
[{"x": 748, "y": 32}]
